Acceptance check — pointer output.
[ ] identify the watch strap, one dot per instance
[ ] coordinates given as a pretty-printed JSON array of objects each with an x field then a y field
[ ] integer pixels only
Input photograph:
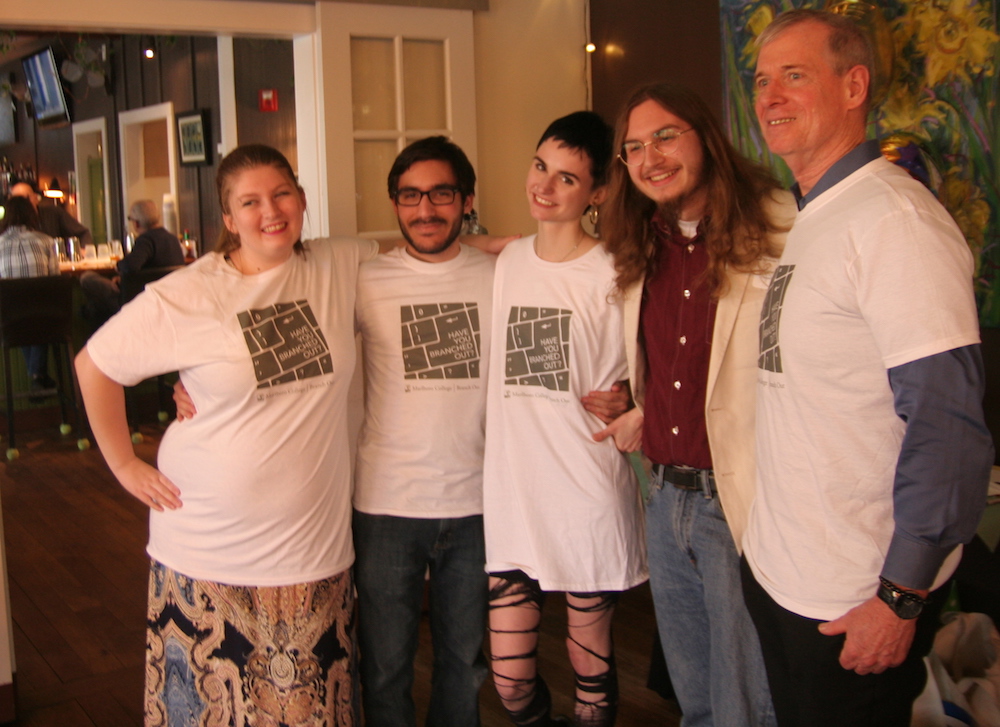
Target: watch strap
[{"x": 905, "y": 604}]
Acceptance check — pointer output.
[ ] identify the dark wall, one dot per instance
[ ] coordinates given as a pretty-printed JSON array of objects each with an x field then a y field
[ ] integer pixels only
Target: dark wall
[
  {"x": 265, "y": 64},
  {"x": 643, "y": 41},
  {"x": 184, "y": 71}
]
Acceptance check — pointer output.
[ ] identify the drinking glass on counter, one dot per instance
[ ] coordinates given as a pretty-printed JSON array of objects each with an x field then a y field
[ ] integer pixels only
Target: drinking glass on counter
[
  {"x": 59, "y": 249},
  {"x": 74, "y": 251}
]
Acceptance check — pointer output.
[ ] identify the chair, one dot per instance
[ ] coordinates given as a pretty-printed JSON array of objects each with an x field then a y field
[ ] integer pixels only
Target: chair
[
  {"x": 130, "y": 285},
  {"x": 34, "y": 312}
]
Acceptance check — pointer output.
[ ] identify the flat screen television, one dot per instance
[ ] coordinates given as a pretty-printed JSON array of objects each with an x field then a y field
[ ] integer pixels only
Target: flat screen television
[{"x": 45, "y": 87}]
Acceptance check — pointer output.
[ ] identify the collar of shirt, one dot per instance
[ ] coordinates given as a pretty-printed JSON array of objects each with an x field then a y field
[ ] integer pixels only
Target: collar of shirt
[
  {"x": 669, "y": 232},
  {"x": 851, "y": 162}
]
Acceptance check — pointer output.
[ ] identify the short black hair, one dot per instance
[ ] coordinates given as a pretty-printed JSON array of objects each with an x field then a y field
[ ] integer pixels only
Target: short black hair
[
  {"x": 587, "y": 132},
  {"x": 435, "y": 148}
]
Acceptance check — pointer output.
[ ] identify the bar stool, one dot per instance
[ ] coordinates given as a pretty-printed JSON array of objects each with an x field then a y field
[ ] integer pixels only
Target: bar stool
[
  {"x": 130, "y": 285},
  {"x": 35, "y": 312}
]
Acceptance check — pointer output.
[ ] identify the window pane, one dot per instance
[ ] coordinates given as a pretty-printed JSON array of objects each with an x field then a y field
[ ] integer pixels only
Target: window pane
[
  {"x": 372, "y": 161},
  {"x": 373, "y": 83},
  {"x": 424, "y": 84}
]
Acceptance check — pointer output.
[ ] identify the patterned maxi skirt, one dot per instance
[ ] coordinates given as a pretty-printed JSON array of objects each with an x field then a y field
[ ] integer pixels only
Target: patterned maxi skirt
[{"x": 245, "y": 656}]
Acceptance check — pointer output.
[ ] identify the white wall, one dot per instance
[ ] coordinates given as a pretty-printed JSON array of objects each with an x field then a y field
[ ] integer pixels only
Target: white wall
[{"x": 530, "y": 70}]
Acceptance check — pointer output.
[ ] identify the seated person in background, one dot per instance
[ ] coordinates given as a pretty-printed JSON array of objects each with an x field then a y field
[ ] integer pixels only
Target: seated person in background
[
  {"x": 154, "y": 247},
  {"x": 26, "y": 252},
  {"x": 53, "y": 220}
]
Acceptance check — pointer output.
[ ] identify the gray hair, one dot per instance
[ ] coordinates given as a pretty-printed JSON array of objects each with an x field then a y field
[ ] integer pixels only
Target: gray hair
[
  {"x": 848, "y": 43},
  {"x": 145, "y": 213}
]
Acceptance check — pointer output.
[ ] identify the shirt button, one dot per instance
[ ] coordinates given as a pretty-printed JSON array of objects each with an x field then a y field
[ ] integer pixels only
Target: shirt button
[
  {"x": 687, "y": 293},
  {"x": 690, "y": 248},
  {"x": 676, "y": 430},
  {"x": 684, "y": 339},
  {"x": 677, "y": 384}
]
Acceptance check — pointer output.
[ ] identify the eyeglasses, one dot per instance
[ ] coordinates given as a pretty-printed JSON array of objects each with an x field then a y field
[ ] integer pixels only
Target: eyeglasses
[
  {"x": 410, "y": 197},
  {"x": 633, "y": 153}
]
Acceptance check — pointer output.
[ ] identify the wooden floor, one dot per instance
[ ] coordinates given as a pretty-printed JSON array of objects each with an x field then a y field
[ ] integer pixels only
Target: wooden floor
[{"x": 77, "y": 573}]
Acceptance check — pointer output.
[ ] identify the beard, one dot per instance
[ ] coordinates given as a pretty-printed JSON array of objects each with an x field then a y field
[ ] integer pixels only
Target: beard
[
  {"x": 423, "y": 249},
  {"x": 671, "y": 210}
]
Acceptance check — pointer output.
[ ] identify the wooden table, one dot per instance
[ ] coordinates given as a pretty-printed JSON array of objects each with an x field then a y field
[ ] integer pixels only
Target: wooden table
[{"x": 100, "y": 265}]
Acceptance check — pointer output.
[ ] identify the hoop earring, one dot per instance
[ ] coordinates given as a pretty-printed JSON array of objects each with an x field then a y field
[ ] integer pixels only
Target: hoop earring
[{"x": 592, "y": 215}]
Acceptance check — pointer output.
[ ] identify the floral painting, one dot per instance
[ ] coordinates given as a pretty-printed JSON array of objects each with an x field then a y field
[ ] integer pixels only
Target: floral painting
[{"x": 941, "y": 100}]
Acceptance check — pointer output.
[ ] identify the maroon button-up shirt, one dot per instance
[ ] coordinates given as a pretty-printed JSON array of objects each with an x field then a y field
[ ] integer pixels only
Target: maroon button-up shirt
[{"x": 678, "y": 315}]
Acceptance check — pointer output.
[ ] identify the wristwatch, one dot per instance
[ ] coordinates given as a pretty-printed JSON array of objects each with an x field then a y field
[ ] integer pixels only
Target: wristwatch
[{"x": 905, "y": 604}]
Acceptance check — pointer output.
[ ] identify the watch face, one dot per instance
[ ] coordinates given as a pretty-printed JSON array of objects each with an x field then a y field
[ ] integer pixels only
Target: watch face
[
  {"x": 902, "y": 604},
  {"x": 906, "y": 607}
]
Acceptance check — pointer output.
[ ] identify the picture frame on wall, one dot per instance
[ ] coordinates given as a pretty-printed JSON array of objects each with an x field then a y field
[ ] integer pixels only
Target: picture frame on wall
[{"x": 193, "y": 144}]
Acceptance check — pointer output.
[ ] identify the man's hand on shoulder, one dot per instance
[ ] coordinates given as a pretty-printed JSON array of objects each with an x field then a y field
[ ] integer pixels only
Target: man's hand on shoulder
[{"x": 877, "y": 639}]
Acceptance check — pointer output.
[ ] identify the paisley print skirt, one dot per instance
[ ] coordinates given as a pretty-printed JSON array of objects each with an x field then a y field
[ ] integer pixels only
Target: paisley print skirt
[{"x": 245, "y": 656}]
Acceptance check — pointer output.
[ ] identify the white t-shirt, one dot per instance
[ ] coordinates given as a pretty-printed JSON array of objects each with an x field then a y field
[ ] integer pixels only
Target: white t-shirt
[
  {"x": 425, "y": 336},
  {"x": 556, "y": 504},
  {"x": 264, "y": 467},
  {"x": 875, "y": 274}
]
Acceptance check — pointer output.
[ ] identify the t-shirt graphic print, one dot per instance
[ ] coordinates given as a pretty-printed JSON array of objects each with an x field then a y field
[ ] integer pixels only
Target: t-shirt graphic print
[
  {"x": 538, "y": 347},
  {"x": 286, "y": 343},
  {"x": 770, "y": 319},
  {"x": 441, "y": 341}
]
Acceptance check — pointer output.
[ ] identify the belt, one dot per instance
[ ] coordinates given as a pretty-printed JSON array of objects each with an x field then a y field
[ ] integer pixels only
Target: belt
[{"x": 684, "y": 478}]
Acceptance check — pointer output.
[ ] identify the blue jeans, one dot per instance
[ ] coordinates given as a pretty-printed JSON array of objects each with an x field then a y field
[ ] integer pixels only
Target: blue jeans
[
  {"x": 36, "y": 360},
  {"x": 393, "y": 555},
  {"x": 710, "y": 644}
]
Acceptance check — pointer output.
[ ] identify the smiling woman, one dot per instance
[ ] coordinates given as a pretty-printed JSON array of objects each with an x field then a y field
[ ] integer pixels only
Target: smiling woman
[
  {"x": 250, "y": 508},
  {"x": 560, "y": 502},
  {"x": 263, "y": 209}
]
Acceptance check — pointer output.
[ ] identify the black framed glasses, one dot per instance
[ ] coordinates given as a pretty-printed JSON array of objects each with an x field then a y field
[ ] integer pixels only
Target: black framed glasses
[
  {"x": 410, "y": 197},
  {"x": 633, "y": 153}
]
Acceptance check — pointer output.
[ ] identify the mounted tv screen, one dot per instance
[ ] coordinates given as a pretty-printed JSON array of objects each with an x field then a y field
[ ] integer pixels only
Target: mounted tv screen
[{"x": 46, "y": 89}]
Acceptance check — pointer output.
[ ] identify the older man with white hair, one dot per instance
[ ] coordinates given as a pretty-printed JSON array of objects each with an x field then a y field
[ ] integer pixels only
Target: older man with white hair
[
  {"x": 154, "y": 247},
  {"x": 873, "y": 456}
]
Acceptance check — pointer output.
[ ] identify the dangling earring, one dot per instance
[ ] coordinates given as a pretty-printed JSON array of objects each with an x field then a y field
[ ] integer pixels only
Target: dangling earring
[{"x": 592, "y": 214}]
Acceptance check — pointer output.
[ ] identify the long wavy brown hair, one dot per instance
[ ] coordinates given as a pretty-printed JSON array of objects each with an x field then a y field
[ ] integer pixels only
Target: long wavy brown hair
[{"x": 736, "y": 225}]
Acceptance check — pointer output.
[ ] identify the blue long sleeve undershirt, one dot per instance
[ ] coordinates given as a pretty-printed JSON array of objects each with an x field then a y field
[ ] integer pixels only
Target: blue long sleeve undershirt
[{"x": 944, "y": 465}]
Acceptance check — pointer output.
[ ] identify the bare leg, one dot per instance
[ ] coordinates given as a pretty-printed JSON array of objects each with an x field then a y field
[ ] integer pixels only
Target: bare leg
[{"x": 591, "y": 651}]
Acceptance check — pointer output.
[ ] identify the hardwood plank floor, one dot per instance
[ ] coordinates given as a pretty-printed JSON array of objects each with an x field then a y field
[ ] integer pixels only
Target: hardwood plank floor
[{"x": 77, "y": 571}]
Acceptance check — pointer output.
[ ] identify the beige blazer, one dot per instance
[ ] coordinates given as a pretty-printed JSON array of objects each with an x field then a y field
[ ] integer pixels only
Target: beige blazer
[{"x": 731, "y": 398}]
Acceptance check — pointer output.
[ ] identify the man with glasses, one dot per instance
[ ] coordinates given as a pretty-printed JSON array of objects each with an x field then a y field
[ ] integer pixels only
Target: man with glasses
[
  {"x": 423, "y": 311},
  {"x": 695, "y": 229}
]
